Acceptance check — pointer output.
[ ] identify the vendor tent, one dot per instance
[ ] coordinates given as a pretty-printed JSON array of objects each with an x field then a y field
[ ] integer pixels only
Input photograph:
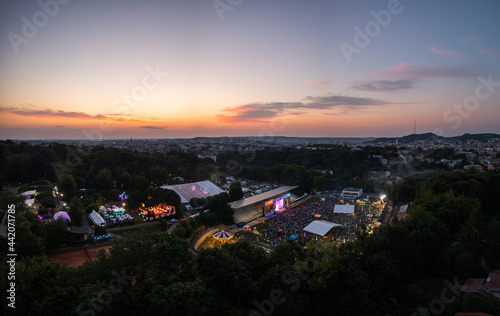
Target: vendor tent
[
  {"x": 97, "y": 219},
  {"x": 320, "y": 227},
  {"x": 344, "y": 209}
]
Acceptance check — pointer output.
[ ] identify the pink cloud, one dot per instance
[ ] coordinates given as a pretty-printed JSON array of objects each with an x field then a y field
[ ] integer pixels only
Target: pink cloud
[
  {"x": 488, "y": 52},
  {"x": 448, "y": 52},
  {"x": 317, "y": 83}
]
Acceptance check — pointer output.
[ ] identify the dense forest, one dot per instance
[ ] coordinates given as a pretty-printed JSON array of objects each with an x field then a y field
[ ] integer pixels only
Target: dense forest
[
  {"x": 109, "y": 170},
  {"x": 451, "y": 233}
]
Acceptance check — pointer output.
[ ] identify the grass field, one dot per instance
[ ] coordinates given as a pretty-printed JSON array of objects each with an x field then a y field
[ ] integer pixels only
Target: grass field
[{"x": 148, "y": 228}]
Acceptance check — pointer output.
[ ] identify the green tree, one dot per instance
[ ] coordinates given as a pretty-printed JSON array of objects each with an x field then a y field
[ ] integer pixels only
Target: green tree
[
  {"x": 91, "y": 207},
  {"x": 235, "y": 191},
  {"x": 219, "y": 205},
  {"x": 104, "y": 180},
  {"x": 158, "y": 175},
  {"x": 470, "y": 237},
  {"x": 169, "y": 197},
  {"x": 123, "y": 180},
  {"x": 180, "y": 298},
  {"x": 319, "y": 182},
  {"x": 76, "y": 212},
  {"x": 492, "y": 256},
  {"x": 30, "y": 235},
  {"x": 225, "y": 275},
  {"x": 297, "y": 175},
  {"x": 139, "y": 183},
  {"x": 67, "y": 185},
  {"x": 36, "y": 278},
  {"x": 55, "y": 233},
  {"x": 468, "y": 265},
  {"x": 197, "y": 202}
]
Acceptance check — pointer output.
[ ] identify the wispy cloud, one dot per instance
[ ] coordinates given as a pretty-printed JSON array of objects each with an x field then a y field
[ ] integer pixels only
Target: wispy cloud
[
  {"x": 262, "y": 112},
  {"x": 33, "y": 111},
  {"x": 48, "y": 113},
  {"x": 385, "y": 85},
  {"x": 332, "y": 101},
  {"x": 153, "y": 127},
  {"x": 449, "y": 52},
  {"x": 59, "y": 126},
  {"x": 317, "y": 83},
  {"x": 488, "y": 52},
  {"x": 408, "y": 71}
]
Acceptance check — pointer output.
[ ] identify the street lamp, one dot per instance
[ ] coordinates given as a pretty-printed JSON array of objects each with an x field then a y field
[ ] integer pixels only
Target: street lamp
[{"x": 382, "y": 197}]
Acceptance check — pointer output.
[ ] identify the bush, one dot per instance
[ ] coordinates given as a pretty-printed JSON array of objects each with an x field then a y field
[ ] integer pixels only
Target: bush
[{"x": 91, "y": 207}]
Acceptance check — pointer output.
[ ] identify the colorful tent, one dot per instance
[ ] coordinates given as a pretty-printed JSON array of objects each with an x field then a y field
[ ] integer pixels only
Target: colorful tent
[
  {"x": 62, "y": 215},
  {"x": 223, "y": 235}
]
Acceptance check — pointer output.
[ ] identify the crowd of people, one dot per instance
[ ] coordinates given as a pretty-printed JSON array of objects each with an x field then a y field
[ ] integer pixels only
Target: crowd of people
[
  {"x": 156, "y": 212},
  {"x": 293, "y": 220}
]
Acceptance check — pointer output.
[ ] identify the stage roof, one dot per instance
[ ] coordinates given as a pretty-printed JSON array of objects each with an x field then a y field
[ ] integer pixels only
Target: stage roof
[
  {"x": 261, "y": 197},
  {"x": 320, "y": 227},
  {"x": 201, "y": 189},
  {"x": 26, "y": 193},
  {"x": 344, "y": 209}
]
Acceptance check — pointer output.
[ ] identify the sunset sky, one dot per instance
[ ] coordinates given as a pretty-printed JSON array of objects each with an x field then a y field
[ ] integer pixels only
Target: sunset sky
[{"x": 164, "y": 69}]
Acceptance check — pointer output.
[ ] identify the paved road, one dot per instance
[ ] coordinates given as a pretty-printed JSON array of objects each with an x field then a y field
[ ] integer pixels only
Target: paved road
[{"x": 114, "y": 229}]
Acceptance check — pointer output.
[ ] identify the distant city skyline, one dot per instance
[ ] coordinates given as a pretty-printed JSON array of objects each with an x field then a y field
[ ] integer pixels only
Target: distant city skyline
[{"x": 182, "y": 69}]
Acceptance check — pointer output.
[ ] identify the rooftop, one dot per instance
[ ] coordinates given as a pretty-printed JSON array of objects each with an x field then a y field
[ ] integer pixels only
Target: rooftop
[
  {"x": 261, "y": 197},
  {"x": 320, "y": 227},
  {"x": 201, "y": 189}
]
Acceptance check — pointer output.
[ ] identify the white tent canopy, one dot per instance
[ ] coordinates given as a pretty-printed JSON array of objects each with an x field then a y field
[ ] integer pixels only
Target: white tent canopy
[
  {"x": 344, "y": 209},
  {"x": 28, "y": 193},
  {"x": 97, "y": 219},
  {"x": 187, "y": 191},
  {"x": 320, "y": 227},
  {"x": 403, "y": 208}
]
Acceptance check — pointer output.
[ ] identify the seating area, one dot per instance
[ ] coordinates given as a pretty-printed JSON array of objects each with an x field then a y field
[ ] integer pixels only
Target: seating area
[
  {"x": 115, "y": 216},
  {"x": 156, "y": 212}
]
